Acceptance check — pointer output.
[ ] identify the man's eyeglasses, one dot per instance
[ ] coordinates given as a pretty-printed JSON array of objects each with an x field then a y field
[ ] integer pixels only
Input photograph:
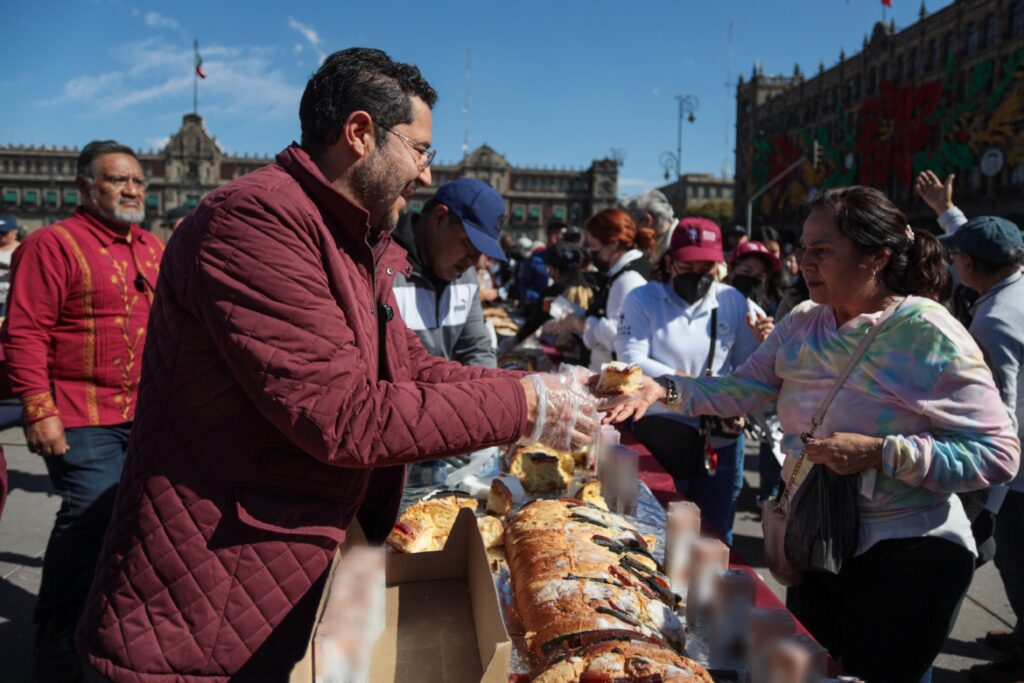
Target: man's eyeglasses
[{"x": 425, "y": 152}]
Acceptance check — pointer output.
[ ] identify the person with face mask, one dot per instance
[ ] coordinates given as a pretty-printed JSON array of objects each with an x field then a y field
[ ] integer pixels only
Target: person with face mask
[
  {"x": 689, "y": 325},
  {"x": 617, "y": 249},
  {"x": 751, "y": 267},
  {"x": 80, "y": 298}
]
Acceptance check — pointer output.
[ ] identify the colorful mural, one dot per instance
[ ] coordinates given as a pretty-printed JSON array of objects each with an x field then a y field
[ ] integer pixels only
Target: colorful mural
[{"x": 945, "y": 125}]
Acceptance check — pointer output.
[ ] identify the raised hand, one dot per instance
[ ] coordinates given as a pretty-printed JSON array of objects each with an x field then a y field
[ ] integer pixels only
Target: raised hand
[{"x": 936, "y": 193}]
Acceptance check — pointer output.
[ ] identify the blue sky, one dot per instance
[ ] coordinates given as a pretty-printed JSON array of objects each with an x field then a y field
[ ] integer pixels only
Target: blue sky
[{"x": 555, "y": 83}]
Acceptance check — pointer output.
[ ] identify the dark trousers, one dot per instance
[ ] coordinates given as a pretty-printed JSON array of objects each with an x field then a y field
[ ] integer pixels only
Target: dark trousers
[
  {"x": 887, "y": 614},
  {"x": 1009, "y": 558},
  {"x": 769, "y": 470},
  {"x": 677, "y": 446},
  {"x": 86, "y": 478}
]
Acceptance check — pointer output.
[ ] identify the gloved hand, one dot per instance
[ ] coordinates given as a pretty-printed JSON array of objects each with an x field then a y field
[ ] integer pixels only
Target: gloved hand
[
  {"x": 578, "y": 377},
  {"x": 563, "y": 416}
]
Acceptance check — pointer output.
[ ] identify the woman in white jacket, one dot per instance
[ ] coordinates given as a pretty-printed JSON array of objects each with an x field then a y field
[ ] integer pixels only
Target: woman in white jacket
[
  {"x": 687, "y": 324},
  {"x": 617, "y": 249}
]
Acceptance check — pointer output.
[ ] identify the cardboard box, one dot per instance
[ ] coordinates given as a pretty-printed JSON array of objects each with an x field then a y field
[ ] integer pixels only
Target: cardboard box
[{"x": 443, "y": 623}]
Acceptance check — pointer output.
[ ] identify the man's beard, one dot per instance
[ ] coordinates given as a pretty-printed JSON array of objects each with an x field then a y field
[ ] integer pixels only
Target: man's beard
[
  {"x": 377, "y": 189},
  {"x": 126, "y": 216}
]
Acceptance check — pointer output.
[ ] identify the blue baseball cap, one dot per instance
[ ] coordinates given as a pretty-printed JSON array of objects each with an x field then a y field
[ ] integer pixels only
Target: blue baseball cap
[
  {"x": 989, "y": 238},
  {"x": 481, "y": 210},
  {"x": 8, "y": 223}
]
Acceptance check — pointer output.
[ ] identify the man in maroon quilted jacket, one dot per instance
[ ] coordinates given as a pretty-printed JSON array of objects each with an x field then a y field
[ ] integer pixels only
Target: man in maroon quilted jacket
[{"x": 281, "y": 397}]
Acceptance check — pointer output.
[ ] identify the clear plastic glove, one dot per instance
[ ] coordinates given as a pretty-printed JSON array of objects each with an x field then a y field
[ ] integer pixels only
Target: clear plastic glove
[
  {"x": 564, "y": 417},
  {"x": 578, "y": 377}
]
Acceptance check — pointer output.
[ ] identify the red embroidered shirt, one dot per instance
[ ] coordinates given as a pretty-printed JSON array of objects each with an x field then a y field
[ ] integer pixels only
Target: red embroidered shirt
[{"x": 76, "y": 320}]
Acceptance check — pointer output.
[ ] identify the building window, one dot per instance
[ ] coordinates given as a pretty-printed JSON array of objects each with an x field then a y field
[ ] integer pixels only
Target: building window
[
  {"x": 1017, "y": 19},
  {"x": 50, "y": 197},
  {"x": 559, "y": 213},
  {"x": 416, "y": 207},
  {"x": 71, "y": 197},
  {"x": 534, "y": 213},
  {"x": 872, "y": 81},
  {"x": 152, "y": 201},
  {"x": 10, "y": 197},
  {"x": 950, "y": 47},
  {"x": 517, "y": 213},
  {"x": 990, "y": 38},
  {"x": 972, "y": 38},
  {"x": 912, "y": 63},
  {"x": 191, "y": 200},
  {"x": 900, "y": 66},
  {"x": 30, "y": 197},
  {"x": 933, "y": 54}
]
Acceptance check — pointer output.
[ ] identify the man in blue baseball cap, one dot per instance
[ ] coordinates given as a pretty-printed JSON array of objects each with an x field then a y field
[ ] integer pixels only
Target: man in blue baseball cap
[
  {"x": 439, "y": 296},
  {"x": 988, "y": 253}
]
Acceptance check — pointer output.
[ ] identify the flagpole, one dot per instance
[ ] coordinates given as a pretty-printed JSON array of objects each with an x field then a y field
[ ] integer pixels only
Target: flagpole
[{"x": 195, "y": 84}]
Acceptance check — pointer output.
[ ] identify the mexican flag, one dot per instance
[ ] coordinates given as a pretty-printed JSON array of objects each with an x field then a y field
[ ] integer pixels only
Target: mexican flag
[{"x": 199, "y": 63}]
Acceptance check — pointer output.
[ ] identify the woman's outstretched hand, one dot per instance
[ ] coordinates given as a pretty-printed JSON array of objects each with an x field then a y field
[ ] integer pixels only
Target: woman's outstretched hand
[{"x": 620, "y": 408}]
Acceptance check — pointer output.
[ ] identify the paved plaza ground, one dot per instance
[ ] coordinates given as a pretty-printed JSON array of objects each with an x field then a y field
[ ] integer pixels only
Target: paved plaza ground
[{"x": 29, "y": 515}]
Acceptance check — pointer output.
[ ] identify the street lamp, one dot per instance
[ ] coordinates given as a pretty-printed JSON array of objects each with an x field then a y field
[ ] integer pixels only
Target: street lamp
[{"x": 688, "y": 106}]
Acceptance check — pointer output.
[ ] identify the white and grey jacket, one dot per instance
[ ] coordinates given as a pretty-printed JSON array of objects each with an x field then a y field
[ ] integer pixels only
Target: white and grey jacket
[{"x": 447, "y": 316}]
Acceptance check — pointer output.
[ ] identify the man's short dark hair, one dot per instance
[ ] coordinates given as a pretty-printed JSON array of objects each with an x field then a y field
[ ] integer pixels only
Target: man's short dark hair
[
  {"x": 358, "y": 79},
  {"x": 94, "y": 150}
]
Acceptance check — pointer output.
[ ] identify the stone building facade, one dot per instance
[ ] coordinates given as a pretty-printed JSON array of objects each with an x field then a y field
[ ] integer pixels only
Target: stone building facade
[
  {"x": 694, "y": 190},
  {"x": 534, "y": 196},
  {"x": 945, "y": 94},
  {"x": 37, "y": 183}
]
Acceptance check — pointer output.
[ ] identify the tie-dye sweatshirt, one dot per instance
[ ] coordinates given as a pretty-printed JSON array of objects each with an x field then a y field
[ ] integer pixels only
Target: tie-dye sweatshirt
[{"x": 923, "y": 385}]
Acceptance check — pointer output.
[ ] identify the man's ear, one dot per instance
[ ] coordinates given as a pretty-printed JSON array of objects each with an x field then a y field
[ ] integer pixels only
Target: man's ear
[
  {"x": 82, "y": 183},
  {"x": 359, "y": 134},
  {"x": 439, "y": 216}
]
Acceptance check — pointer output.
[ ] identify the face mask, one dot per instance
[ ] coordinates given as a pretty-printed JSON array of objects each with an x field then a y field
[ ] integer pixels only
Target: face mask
[
  {"x": 748, "y": 285},
  {"x": 599, "y": 262},
  {"x": 692, "y": 286}
]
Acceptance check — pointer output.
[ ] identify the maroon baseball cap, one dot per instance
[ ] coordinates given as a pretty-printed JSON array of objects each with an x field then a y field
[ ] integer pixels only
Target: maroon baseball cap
[
  {"x": 749, "y": 248},
  {"x": 696, "y": 239}
]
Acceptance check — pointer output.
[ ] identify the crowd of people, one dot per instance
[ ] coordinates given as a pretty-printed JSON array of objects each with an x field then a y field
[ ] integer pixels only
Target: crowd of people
[{"x": 216, "y": 411}]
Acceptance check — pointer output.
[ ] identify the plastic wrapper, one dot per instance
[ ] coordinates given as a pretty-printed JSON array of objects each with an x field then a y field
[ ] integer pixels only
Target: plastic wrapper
[{"x": 566, "y": 413}]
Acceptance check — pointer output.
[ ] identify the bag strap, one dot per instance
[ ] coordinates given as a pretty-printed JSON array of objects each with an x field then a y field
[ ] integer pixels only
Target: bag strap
[
  {"x": 714, "y": 338},
  {"x": 819, "y": 416}
]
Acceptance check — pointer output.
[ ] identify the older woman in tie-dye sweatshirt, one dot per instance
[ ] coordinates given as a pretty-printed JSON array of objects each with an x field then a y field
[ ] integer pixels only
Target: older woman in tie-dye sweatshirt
[{"x": 918, "y": 420}]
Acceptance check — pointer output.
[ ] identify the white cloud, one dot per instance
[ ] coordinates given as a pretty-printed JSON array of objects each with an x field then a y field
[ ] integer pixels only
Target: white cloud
[
  {"x": 311, "y": 36},
  {"x": 242, "y": 81},
  {"x": 158, "y": 143},
  {"x": 297, "y": 48},
  {"x": 157, "y": 20},
  {"x": 656, "y": 91}
]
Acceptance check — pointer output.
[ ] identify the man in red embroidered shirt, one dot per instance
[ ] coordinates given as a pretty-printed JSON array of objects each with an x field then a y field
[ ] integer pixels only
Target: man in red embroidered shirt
[{"x": 80, "y": 298}]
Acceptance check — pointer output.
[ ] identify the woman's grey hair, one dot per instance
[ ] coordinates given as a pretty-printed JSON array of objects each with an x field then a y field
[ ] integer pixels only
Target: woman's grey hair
[{"x": 655, "y": 203}]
